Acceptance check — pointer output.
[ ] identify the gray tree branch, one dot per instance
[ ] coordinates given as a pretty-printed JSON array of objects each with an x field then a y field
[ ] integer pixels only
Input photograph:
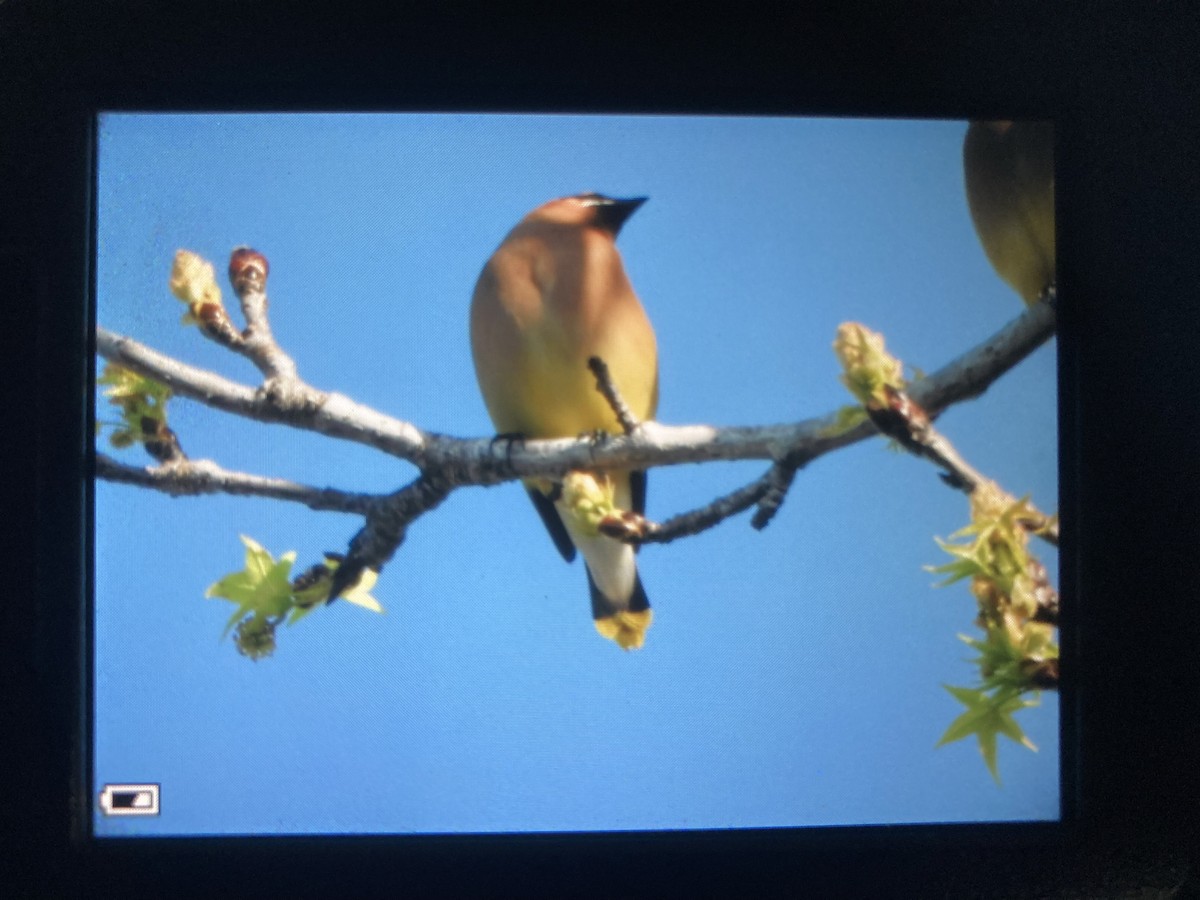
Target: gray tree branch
[
  {"x": 189, "y": 478},
  {"x": 483, "y": 461},
  {"x": 447, "y": 463}
]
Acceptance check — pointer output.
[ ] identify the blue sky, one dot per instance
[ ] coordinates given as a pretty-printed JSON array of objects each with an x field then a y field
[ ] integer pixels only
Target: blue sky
[{"x": 791, "y": 677}]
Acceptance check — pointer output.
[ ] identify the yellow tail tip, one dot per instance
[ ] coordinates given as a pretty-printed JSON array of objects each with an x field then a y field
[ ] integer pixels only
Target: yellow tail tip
[{"x": 628, "y": 629}]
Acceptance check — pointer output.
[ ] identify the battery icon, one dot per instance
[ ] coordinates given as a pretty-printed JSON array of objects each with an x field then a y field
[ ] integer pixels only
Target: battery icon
[{"x": 129, "y": 800}]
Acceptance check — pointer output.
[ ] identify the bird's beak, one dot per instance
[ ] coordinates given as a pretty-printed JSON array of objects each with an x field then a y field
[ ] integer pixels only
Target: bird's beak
[{"x": 613, "y": 215}]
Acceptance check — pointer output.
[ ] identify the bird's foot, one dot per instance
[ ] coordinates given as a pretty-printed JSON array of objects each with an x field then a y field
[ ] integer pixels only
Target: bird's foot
[
  {"x": 596, "y": 437},
  {"x": 509, "y": 439}
]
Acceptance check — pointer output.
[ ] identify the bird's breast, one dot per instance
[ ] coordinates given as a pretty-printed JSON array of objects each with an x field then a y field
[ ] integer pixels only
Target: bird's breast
[{"x": 541, "y": 310}]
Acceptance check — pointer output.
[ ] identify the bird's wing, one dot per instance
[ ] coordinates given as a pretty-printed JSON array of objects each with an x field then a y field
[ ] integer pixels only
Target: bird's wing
[
  {"x": 554, "y": 525},
  {"x": 637, "y": 492}
]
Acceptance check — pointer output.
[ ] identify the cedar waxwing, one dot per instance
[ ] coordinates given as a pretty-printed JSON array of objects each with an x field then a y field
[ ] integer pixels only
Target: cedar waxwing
[
  {"x": 554, "y": 294},
  {"x": 1009, "y": 169}
]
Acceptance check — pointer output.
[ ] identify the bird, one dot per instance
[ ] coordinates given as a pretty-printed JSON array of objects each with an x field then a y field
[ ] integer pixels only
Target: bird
[
  {"x": 1008, "y": 168},
  {"x": 553, "y": 295}
]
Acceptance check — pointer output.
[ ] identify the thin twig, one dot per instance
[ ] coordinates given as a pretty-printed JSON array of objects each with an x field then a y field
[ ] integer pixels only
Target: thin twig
[
  {"x": 704, "y": 517},
  {"x": 386, "y": 527},
  {"x": 985, "y": 361},
  {"x": 608, "y": 388},
  {"x": 248, "y": 270},
  {"x": 779, "y": 481},
  {"x": 907, "y": 423}
]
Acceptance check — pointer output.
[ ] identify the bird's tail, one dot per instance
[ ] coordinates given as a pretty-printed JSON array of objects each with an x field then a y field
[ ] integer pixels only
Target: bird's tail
[{"x": 626, "y": 623}]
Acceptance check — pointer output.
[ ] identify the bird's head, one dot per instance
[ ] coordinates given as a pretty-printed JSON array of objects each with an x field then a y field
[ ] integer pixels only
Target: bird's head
[{"x": 588, "y": 210}]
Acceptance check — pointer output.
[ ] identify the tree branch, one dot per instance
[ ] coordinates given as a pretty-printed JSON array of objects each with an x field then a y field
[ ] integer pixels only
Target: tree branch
[
  {"x": 248, "y": 273},
  {"x": 311, "y": 410},
  {"x": 448, "y": 462},
  {"x": 484, "y": 461},
  {"x": 386, "y": 527},
  {"x": 907, "y": 423},
  {"x": 643, "y": 531},
  {"x": 971, "y": 373},
  {"x": 974, "y": 369},
  {"x": 189, "y": 478}
]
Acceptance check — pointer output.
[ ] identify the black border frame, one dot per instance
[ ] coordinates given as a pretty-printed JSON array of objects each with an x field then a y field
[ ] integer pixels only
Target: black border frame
[{"x": 1120, "y": 84}]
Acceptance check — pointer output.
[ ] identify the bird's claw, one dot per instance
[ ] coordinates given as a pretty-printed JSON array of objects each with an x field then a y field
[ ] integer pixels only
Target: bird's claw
[
  {"x": 509, "y": 438},
  {"x": 595, "y": 436}
]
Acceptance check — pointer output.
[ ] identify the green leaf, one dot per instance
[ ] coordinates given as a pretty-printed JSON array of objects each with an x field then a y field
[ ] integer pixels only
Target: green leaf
[
  {"x": 987, "y": 746},
  {"x": 964, "y": 726},
  {"x": 987, "y": 715},
  {"x": 969, "y": 561},
  {"x": 1008, "y": 727},
  {"x": 139, "y": 398},
  {"x": 262, "y": 587},
  {"x": 967, "y": 723},
  {"x": 972, "y": 642},
  {"x": 299, "y": 612},
  {"x": 275, "y": 592},
  {"x": 265, "y": 597},
  {"x": 236, "y": 586},
  {"x": 969, "y": 697},
  {"x": 258, "y": 560}
]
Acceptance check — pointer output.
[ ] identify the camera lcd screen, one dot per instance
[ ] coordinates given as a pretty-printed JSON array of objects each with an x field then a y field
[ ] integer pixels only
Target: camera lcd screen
[{"x": 800, "y": 674}]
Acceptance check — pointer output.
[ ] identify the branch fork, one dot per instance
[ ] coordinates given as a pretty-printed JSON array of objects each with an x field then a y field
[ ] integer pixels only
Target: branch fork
[{"x": 446, "y": 463}]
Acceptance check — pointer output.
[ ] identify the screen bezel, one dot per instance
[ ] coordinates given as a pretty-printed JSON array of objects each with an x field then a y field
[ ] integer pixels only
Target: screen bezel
[{"x": 60, "y": 506}]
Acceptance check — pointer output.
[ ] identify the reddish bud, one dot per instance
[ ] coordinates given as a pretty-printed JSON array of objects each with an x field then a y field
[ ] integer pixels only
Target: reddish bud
[
  {"x": 625, "y": 526},
  {"x": 248, "y": 270},
  {"x": 907, "y": 408}
]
